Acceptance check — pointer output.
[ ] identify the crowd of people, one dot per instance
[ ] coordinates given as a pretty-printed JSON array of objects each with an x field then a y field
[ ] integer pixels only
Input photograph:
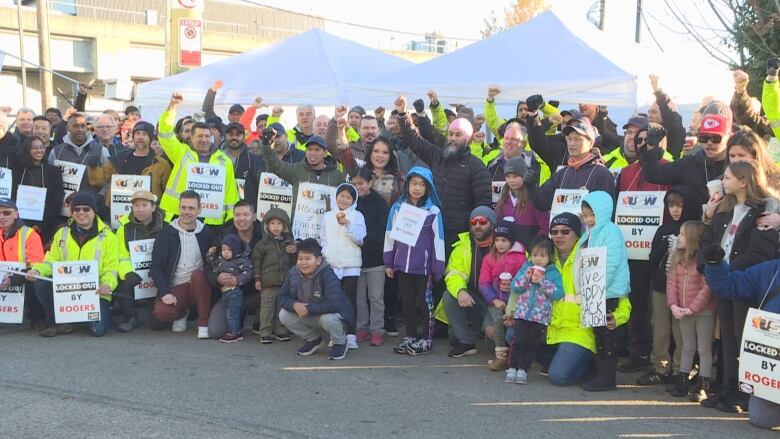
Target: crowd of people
[{"x": 415, "y": 216}]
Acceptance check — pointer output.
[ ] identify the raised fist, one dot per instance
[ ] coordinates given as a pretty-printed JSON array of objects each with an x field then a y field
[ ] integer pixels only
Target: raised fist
[
  {"x": 341, "y": 123},
  {"x": 379, "y": 112},
  {"x": 400, "y": 104},
  {"x": 258, "y": 103},
  {"x": 493, "y": 91},
  {"x": 741, "y": 79},
  {"x": 433, "y": 97},
  {"x": 216, "y": 85},
  {"x": 654, "y": 82},
  {"x": 176, "y": 98},
  {"x": 277, "y": 111},
  {"x": 341, "y": 111}
]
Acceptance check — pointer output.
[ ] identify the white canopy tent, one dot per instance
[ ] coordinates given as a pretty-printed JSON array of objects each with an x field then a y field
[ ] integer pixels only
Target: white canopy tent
[
  {"x": 545, "y": 55},
  {"x": 539, "y": 56},
  {"x": 311, "y": 68}
]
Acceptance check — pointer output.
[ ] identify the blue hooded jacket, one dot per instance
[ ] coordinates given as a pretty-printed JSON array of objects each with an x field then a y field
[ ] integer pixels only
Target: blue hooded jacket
[
  {"x": 606, "y": 234},
  {"x": 426, "y": 257},
  {"x": 749, "y": 285}
]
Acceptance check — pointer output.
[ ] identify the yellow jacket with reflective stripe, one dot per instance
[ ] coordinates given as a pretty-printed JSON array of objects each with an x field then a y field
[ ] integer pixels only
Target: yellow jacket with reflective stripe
[
  {"x": 456, "y": 277},
  {"x": 565, "y": 319},
  {"x": 770, "y": 102},
  {"x": 181, "y": 155},
  {"x": 103, "y": 248}
]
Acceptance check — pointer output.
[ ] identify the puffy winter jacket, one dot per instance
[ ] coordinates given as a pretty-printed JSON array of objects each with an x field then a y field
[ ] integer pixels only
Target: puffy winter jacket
[
  {"x": 375, "y": 212},
  {"x": 693, "y": 170},
  {"x": 606, "y": 234},
  {"x": 751, "y": 285},
  {"x": 686, "y": 288},
  {"x": 270, "y": 259},
  {"x": 770, "y": 102},
  {"x": 533, "y": 302},
  {"x": 332, "y": 298},
  {"x": 492, "y": 267},
  {"x": 592, "y": 175}
]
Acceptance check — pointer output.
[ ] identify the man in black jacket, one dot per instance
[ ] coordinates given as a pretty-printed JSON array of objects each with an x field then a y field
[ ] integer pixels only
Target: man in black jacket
[
  {"x": 461, "y": 179},
  {"x": 177, "y": 268}
]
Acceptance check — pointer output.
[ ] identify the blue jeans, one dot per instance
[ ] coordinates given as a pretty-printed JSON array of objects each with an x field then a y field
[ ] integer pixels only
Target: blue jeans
[
  {"x": 570, "y": 364},
  {"x": 234, "y": 300},
  {"x": 45, "y": 295}
]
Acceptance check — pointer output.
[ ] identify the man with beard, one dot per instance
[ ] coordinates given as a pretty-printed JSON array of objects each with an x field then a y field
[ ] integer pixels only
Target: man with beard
[
  {"x": 369, "y": 130},
  {"x": 141, "y": 160},
  {"x": 183, "y": 129},
  {"x": 461, "y": 179},
  {"x": 463, "y": 303},
  {"x": 247, "y": 164}
]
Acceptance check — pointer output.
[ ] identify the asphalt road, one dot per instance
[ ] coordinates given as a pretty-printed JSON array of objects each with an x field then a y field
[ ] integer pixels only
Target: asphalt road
[{"x": 160, "y": 384}]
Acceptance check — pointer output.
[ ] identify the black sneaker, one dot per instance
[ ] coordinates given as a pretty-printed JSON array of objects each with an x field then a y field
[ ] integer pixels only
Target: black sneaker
[
  {"x": 282, "y": 337},
  {"x": 266, "y": 339},
  {"x": 716, "y": 396},
  {"x": 310, "y": 347},
  {"x": 635, "y": 364},
  {"x": 390, "y": 329},
  {"x": 654, "y": 378},
  {"x": 735, "y": 402},
  {"x": 462, "y": 350},
  {"x": 545, "y": 371},
  {"x": 338, "y": 352},
  {"x": 401, "y": 348}
]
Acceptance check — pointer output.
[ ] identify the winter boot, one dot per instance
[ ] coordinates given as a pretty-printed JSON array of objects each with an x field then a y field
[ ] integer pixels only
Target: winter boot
[
  {"x": 702, "y": 392},
  {"x": 680, "y": 385},
  {"x": 718, "y": 394},
  {"x": 501, "y": 361},
  {"x": 604, "y": 378}
]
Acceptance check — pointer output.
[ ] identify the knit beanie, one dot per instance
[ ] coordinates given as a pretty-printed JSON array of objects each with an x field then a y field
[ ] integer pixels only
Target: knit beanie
[
  {"x": 484, "y": 211},
  {"x": 569, "y": 220}
]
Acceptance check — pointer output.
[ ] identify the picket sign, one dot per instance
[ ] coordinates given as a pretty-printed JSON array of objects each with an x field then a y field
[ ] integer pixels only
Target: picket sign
[
  {"x": 408, "y": 224},
  {"x": 312, "y": 203},
  {"x": 11, "y": 298},
  {"x": 75, "y": 285},
  {"x": 141, "y": 258},
  {"x": 759, "y": 360},
  {"x": 273, "y": 192},
  {"x": 638, "y": 215},
  {"x": 209, "y": 182},
  {"x": 593, "y": 286}
]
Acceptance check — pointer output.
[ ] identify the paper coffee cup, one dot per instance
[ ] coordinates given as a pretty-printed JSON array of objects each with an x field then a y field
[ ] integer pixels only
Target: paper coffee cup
[
  {"x": 715, "y": 186},
  {"x": 539, "y": 268},
  {"x": 505, "y": 276}
]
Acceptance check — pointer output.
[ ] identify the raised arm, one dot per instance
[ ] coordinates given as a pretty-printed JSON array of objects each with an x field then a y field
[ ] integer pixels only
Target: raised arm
[{"x": 425, "y": 150}]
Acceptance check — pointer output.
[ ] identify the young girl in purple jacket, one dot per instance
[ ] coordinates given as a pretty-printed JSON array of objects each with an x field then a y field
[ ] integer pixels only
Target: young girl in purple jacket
[
  {"x": 515, "y": 203},
  {"x": 416, "y": 266}
]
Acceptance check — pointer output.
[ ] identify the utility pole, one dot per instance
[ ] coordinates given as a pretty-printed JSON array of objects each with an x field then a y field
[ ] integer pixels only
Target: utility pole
[
  {"x": 638, "y": 32},
  {"x": 167, "y": 24},
  {"x": 602, "y": 12},
  {"x": 47, "y": 88},
  {"x": 21, "y": 51}
]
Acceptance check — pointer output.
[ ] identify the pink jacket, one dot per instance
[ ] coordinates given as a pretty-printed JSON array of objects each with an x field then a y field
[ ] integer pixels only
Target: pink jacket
[
  {"x": 686, "y": 288},
  {"x": 510, "y": 262}
]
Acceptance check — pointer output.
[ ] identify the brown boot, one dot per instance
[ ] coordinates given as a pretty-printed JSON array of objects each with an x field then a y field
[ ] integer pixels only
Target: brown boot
[{"x": 501, "y": 361}]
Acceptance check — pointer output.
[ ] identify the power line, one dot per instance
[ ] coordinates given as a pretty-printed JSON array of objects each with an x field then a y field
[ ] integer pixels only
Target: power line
[
  {"x": 362, "y": 26},
  {"x": 650, "y": 31}
]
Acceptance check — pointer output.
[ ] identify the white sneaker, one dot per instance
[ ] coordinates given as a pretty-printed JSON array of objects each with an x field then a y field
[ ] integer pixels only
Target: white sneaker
[
  {"x": 203, "y": 332},
  {"x": 180, "y": 325},
  {"x": 351, "y": 341}
]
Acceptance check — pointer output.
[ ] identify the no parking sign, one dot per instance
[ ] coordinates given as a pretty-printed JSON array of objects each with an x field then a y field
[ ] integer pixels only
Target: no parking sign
[{"x": 190, "y": 42}]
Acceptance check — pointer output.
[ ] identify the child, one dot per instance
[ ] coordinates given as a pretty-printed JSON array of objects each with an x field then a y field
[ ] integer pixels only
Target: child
[
  {"x": 342, "y": 236},
  {"x": 515, "y": 203},
  {"x": 506, "y": 256},
  {"x": 536, "y": 285},
  {"x": 312, "y": 301},
  {"x": 272, "y": 258},
  {"x": 597, "y": 210},
  {"x": 690, "y": 301},
  {"x": 679, "y": 209},
  {"x": 733, "y": 219},
  {"x": 418, "y": 265},
  {"x": 233, "y": 259}
]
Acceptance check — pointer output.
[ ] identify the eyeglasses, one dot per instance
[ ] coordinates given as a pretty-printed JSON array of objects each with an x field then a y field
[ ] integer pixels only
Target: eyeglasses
[
  {"x": 641, "y": 140},
  {"x": 563, "y": 232},
  {"x": 6, "y": 212},
  {"x": 705, "y": 138},
  {"x": 481, "y": 220},
  {"x": 81, "y": 209}
]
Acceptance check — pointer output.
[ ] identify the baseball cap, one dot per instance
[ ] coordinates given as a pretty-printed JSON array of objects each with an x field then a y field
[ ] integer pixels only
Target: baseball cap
[
  {"x": 317, "y": 140},
  {"x": 278, "y": 127},
  {"x": 573, "y": 112},
  {"x": 144, "y": 195},
  {"x": 637, "y": 121},
  {"x": 581, "y": 126},
  {"x": 235, "y": 126},
  {"x": 236, "y": 108},
  {"x": 7, "y": 202}
]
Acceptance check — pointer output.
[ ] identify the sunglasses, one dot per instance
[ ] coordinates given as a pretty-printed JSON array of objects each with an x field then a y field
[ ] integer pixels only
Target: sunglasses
[
  {"x": 705, "y": 138},
  {"x": 481, "y": 220},
  {"x": 641, "y": 140},
  {"x": 80, "y": 209},
  {"x": 563, "y": 232}
]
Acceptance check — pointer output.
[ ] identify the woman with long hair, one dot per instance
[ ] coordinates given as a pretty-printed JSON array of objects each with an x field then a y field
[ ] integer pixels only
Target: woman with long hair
[
  {"x": 747, "y": 145},
  {"x": 383, "y": 163},
  {"x": 745, "y": 244},
  {"x": 33, "y": 170}
]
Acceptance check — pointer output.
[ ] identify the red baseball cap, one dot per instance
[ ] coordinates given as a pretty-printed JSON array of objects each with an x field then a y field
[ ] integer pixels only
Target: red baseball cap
[{"x": 714, "y": 124}]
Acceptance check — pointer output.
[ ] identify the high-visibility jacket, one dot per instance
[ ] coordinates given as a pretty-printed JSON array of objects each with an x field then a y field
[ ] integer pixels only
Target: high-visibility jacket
[
  {"x": 102, "y": 248},
  {"x": 24, "y": 246},
  {"x": 565, "y": 318},
  {"x": 131, "y": 231},
  {"x": 770, "y": 102},
  {"x": 181, "y": 155}
]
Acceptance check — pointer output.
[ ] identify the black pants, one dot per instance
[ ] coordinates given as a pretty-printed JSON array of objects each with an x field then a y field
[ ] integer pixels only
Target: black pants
[
  {"x": 34, "y": 308},
  {"x": 349, "y": 284},
  {"x": 525, "y": 344},
  {"x": 639, "y": 330},
  {"x": 607, "y": 339},
  {"x": 125, "y": 297},
  {"x": 391, "y": 298},
  {"x": 412, "y": 288},
  {"x": 732, "y": 315}
]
